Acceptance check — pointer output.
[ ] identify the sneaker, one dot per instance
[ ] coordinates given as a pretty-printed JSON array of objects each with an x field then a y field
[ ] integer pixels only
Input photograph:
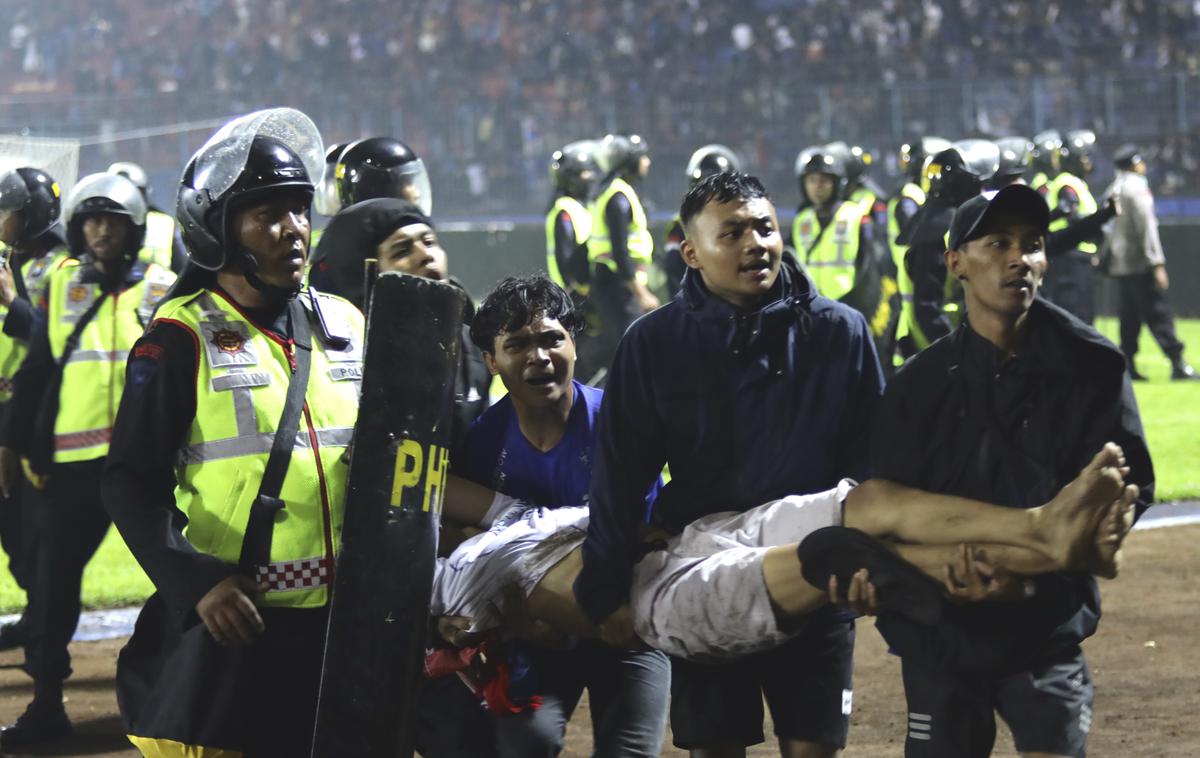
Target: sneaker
[
  {"x": 1181, "y": 371},
  {"x": 37, "y": 724}
]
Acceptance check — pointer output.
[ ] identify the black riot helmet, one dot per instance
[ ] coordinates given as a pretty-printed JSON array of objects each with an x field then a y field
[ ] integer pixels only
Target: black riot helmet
[
  {"x": 573, "y": 169},
  {"x": 1016, "y": 154},
  {"x": 958, "y": 173},
  {"x": 105, "y": 193},
  {"x": 709, "y": 160},
  {"x": 1046, "y": 147},
  {"x": 1077, "y": 149},
  {"x": 248, "y": 158},
  {"x": 33, "y": 193},
  {"x": 858, "y": 160},
  {"x": 915, "y": 153},
  {"x": 382, "y": 167},
  {"x": 326, "y": 199},
  {"x": 823, "y": 159},
  {"x": 620, "y": 154}
]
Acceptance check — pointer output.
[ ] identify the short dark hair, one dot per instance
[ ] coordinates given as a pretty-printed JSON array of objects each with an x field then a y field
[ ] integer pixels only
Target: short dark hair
[
  {"x": 518, "y": 300},
  {"x": 720, "y": 188}
]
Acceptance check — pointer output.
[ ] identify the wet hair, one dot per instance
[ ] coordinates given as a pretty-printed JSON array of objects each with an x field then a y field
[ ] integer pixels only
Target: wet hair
[
  {"x": 516, "y": 302},
  {"x": 724, "y": 187}
]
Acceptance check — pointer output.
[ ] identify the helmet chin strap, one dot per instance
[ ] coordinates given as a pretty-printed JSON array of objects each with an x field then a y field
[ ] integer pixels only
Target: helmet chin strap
[{"x": 249, "y": 268}]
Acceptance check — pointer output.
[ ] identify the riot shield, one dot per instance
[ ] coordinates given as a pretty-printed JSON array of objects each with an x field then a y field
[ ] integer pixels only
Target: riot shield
[{"x": 379, "y": 613}]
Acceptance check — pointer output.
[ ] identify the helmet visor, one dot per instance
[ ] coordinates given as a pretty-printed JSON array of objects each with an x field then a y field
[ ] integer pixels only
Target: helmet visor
[
  {"x": 220, "y": 162},
  {"x": 981, "y": 157},
  {"x": 14, "y": 194}
]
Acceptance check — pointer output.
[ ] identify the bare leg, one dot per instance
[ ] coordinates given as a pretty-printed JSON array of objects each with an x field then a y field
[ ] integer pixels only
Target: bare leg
[
  {"x": 553, "y": 598},
  {"x": 1063, "y": 529}
]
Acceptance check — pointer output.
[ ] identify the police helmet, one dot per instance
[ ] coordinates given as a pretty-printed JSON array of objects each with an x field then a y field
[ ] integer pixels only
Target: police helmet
[
  {"x": 573, "y": 168},
  {"x": 823, "y": 159},
  {"x": 858, "y": 160},
  {"x": 382, "y": 167},
  {"x": 36, "y": 195},
  {"x": 1077, "y": 149},
  {"x": 134, "y": 173},
  {"x": 253, "y": 155},
  {"x": 915, "y": 153},
  {"x": 326, "y": 198},
  {"x": 1015, "y": 158},
  {"x": 105, "y": 193},
  {"x": 1045, "y": 146},
  {"x": 711, "y": 159},
  {"x": 958, "y": 173},
  {"x": 621, "y": 153}
]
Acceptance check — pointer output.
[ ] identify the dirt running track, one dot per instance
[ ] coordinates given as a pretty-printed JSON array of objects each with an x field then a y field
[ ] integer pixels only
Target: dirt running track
[{"x": 1145, "y": 662}]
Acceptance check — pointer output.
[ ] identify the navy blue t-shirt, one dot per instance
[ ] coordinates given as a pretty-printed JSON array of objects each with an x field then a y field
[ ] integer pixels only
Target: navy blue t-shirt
[{"x": 496, "y": 454}]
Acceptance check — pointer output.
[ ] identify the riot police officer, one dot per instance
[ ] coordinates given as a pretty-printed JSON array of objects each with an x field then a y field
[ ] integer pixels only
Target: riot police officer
[
  {"x": 839, "y": 244},
  {"x": 1069, "y": 274},
  {"x": 1044, "y": 159},
  {"x": 860, "y": 187},
  {"x": 61, "y": 418},
  {"x": 900, "y": 209},
  {"x": 569, "y": 222},
  {"x": 163, "y": 244},
  {"x": 955, "y": 175},
  {"x": 707, "y": 160},
  {"x": 238, "y": 357},
  {"x": 621, "y": 249},
  {"x": 382, "y": 167},
  {"x": 326, "y": 201},
  {"x": 29, "y": 209}
]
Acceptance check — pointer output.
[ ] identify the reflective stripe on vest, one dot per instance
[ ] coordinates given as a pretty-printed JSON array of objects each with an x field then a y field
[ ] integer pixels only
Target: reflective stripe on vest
[
  {"x": 1087, "y": 204},
  {"x": 160, "y": 238},
  {"x": 92, "y": 382},
  {"x": 241, "y": 386},
  {"x": 640, "y": 243},
  {"x": 904, "y": 282},
  {"x": 12, "y": 350},
  {"x": 1039, "y": 180},
  {"x": 581, "y": 221},
  {"x": 829, "y": 253}
]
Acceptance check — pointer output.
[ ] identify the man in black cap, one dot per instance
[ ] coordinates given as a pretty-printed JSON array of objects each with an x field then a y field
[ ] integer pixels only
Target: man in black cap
[
  {"x": 1134, "y": 256},
  {"x": 1005, "y": 409}
]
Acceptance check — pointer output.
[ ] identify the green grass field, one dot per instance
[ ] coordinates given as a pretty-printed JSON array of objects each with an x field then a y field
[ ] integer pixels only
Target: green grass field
[{"x": 1170, "y": 412}]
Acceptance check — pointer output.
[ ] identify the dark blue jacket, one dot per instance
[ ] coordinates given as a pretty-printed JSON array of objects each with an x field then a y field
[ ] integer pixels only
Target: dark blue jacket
[{"x": 745, "y": 407}]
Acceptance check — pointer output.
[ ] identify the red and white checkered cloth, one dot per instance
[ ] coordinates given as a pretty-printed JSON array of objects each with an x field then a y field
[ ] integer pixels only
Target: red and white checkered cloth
[{"x": 303, "y": 574}]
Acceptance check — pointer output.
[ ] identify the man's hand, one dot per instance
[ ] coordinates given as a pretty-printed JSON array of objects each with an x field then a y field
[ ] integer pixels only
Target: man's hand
[
  {"x": 617, "y": 630},
  {"x": 972, "y": 578},
  {"x": 10, "y": 471},
  {"x": 1161, "y": 282},
  {"x": 860, "y": 597},
  {"x": 645, "y": 298},
  {"x": 8, "y": 288},
  {"x": 456, "y": 630},
  {"x": 229, "y": 612}
]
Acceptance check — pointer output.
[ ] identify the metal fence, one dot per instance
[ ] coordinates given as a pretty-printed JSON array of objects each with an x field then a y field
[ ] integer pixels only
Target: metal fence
[{"x": 488, "y": 155}]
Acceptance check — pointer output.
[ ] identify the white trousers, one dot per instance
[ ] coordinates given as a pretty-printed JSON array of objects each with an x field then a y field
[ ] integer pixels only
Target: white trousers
[{"x": 704, "y": 598}]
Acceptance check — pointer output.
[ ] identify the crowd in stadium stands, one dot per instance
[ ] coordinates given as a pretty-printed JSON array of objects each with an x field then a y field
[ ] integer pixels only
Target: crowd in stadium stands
[{"x": 522, "y": 75}]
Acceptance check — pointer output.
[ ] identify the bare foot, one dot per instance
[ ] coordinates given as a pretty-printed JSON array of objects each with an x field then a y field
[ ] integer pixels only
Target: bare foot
[
  {"x": 1068, "y": 523},
  {"x": 1111, "y": 534}
]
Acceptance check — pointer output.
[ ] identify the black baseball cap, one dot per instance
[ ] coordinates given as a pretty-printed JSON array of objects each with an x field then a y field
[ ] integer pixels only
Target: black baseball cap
[
  {"x": 1126, "y": 156},
  {"x": 972, "y": 219}
]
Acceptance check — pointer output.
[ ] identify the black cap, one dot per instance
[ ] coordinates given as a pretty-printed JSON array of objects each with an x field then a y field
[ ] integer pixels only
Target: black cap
[
  {"x": 1127, "y": 156},
  {"x": 970, "y": 220}
]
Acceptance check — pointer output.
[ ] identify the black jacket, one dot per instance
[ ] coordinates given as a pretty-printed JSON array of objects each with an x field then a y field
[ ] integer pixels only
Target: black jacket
[
  {"x": 745, "y": 407},
  {"x": 958, "y": 420}
]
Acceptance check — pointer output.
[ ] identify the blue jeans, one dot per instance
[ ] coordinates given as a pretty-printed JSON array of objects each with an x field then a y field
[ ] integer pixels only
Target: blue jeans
[{"x": 627, "y": 692}]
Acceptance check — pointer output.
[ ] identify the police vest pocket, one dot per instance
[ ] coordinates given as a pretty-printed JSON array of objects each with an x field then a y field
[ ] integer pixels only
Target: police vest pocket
[{"x": 224, "y": 522}]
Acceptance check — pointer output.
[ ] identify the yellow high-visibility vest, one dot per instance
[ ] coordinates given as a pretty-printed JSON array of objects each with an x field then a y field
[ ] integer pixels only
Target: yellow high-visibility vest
[
  {"x": 829, "y": 252},
  {"x": 94, "y": 375},
  {"x": 241, "y": 388},
  {"x": 34, "y": 272},
  {"x": 160, "y": 238},
  {"x": 1087, "y": 203},
  {"x": 640, "y": 243},
  {"x": 581, "y": 221},
  {"x": 904, "y": 282}
]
